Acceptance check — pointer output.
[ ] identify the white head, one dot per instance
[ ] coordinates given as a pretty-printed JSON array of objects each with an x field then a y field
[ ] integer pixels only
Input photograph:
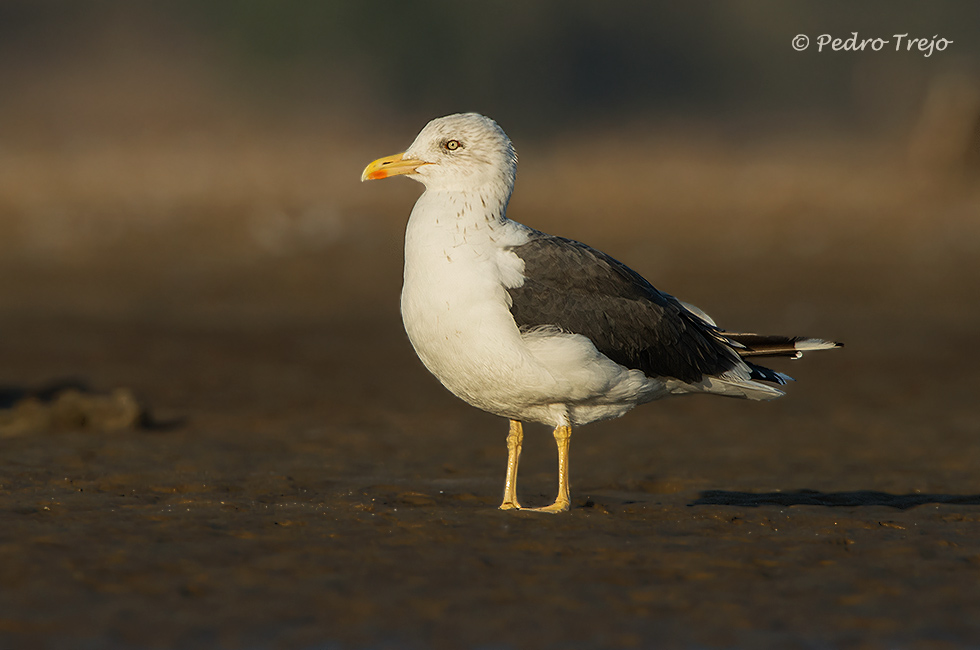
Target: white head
[{"x": 461, "y": 152}]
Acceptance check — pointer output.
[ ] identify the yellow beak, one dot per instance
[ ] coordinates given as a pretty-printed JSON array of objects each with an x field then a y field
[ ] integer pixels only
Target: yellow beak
[{"x": 390, "y": 166}]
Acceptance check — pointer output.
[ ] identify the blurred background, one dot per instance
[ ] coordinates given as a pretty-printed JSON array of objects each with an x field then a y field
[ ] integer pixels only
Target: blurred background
[
  {"x": 181, "y": 167},
  {"x": 192, "y": 161}
]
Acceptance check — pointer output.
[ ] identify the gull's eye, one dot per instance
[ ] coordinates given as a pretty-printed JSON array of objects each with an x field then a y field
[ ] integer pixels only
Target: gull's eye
[{"x": 453, "y": 145}]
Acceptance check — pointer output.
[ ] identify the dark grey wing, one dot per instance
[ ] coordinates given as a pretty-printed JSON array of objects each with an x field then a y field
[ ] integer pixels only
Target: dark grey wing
[{"x": 584, "y": 291}]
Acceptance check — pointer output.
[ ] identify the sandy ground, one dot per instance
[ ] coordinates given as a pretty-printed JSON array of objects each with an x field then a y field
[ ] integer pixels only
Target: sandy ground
[{"x": 303, "y": 483}]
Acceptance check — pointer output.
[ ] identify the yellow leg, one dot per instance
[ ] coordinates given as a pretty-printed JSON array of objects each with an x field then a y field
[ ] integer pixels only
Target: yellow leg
[
  {"x": 562, "y": 502},
  {"x": 515, "y": 438}
]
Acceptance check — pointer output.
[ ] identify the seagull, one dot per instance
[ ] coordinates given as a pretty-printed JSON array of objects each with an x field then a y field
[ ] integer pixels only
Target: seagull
[{"x": 538, "y": 328}]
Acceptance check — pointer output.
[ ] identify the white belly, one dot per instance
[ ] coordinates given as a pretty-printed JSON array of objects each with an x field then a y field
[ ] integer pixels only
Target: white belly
[{"x": 456, "y": 311}]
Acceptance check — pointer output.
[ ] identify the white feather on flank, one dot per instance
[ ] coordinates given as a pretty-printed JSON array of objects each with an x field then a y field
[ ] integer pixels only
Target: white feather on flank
[{"x": 697, "y": 311}]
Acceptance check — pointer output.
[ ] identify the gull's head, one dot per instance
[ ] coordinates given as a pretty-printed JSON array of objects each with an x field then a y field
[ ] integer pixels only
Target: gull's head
[{"x": 465, "y": 151}]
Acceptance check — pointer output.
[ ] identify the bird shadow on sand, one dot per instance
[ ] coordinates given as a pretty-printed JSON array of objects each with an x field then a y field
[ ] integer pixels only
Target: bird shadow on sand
[{"x": 830, "y": 499}]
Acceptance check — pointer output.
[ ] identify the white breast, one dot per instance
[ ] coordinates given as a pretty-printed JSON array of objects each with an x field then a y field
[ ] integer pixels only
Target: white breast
[
  {"x": 455, "y": 303},
  {"x": 456, "y": 310}
]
